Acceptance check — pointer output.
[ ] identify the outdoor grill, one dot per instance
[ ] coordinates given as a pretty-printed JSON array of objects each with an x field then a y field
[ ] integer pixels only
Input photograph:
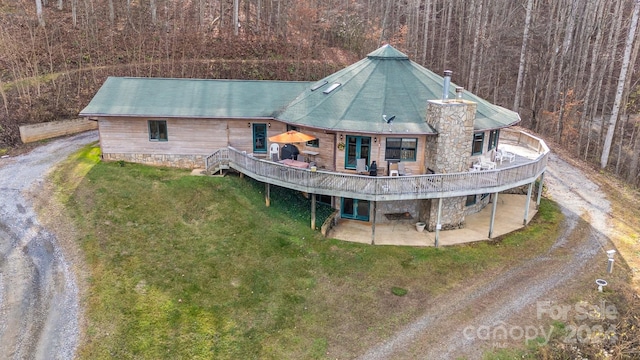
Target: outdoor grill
[
  {"x": 289, "y": 151},
  {"x": 373, "y": 169}
]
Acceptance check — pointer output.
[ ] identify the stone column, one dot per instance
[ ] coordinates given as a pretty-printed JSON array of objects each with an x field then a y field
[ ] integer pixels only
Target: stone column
[{"x": 449, "y": 152}]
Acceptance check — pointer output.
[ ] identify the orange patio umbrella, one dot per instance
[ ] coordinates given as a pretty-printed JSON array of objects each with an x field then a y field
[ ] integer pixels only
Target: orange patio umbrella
[{"x": 291, "y": 136}]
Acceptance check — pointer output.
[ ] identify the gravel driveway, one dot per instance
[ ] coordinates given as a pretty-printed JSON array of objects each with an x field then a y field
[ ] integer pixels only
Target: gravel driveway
[
  {"x": 461, "y": 323},
  {"x": 39, "y": 311}
]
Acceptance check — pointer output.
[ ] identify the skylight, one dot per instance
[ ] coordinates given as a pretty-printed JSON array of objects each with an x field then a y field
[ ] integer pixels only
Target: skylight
[
  {"x": 318, "y": 85},
  {"x": 331, "y": 88}
]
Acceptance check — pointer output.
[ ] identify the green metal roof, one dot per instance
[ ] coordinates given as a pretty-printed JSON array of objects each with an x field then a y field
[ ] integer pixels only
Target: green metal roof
[
  {"x": 385, "y": 82},
  {"x": 158, "y": 97}
]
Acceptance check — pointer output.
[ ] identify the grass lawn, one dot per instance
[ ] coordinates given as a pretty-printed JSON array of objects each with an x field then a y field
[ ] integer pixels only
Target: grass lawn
[{"x": 197, "y": 267}]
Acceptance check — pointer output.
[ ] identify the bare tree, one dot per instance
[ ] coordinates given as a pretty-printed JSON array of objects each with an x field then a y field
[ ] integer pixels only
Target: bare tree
[{"x": 604, "y": 159}]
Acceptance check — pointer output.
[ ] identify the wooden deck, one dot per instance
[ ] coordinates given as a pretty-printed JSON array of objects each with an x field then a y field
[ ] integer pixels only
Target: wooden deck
[{"x": 531, "y": 161}]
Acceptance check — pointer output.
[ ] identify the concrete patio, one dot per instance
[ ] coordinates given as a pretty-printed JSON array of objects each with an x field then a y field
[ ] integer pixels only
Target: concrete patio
[{"x": 509, "y": 217}]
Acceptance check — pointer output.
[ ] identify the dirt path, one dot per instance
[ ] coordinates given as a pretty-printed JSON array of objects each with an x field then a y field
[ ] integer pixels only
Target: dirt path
[
  {"x": 39, "y": 309},
  {"x": 463, "y": 322}
]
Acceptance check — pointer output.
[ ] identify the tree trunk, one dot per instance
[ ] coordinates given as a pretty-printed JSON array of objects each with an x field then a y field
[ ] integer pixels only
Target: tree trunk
[
  {"x": 154, "y": 10},
  {"x": 112, "y": 13},
  {"x": 39, "y": 13},
  {"x": 632, "y": 176},
  {"x": 236, "y": 24},
  {"x": 425, "y": 30},
  {"x": 560, "y": 124},
  {"x": 595, "y": 51},
  {"x": 614, "y": 35},
  {"x": 523, "y": 52},
  {"x": 74, "y": 13},
  {"x": 623, "y": 126},
  {"x": 604, "y": 159},
  {"x": 554, "y": 49}
]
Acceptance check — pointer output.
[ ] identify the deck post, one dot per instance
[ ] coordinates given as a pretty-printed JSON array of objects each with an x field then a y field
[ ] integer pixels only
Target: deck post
[
  {"x": 526, "y": 206},
  {"x": 493, "y": 214},
  {"x": 267, "y": 194},
  {"x": 539, "y": 190},
  {"x": 313, "y": 211},
  {"x": 373, "y": 225},
  {"x": 438, "y": 224}
]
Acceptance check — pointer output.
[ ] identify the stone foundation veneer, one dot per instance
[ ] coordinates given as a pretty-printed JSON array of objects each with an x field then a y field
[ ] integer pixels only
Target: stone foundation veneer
[
  {"x": 176, "y": 161},
  {"x": 449, "y": 152},
  {"x": 453, "y": 212},
  {"x": 479, "y": 205}
]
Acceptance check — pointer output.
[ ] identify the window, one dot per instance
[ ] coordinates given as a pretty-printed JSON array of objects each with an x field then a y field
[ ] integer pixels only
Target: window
[
  {"x": 323, "y": 199},
  {"x": 471, "y": 200},
  {"x": 158, "y": 130},
  {"x": 358, "y": 147},
  {"x": 493, "y": 138},
  {"x": 478, "y": 141},
  {"x": 291, "y": 127},
  {"x": 260, "y": 138},
  {"x": 401, "y": 149},
  {"x": 313, "y": 143}
]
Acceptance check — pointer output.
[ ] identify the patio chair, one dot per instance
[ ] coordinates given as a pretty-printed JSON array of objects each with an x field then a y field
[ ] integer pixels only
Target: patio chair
[
  {"x": 486, "y": 164},
  {"x": 502, "y": 154},
  {"x": 394, "y": 169},
  {"x": 274, "y": 151},
  {"x": 361, "y": 166}
]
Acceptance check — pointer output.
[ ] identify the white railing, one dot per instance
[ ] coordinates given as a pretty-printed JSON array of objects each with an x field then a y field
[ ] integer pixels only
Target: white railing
[{"x": 389, "y": 188}]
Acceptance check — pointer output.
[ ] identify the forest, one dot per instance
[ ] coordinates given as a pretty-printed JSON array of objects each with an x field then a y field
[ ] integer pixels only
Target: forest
[{"x": 568, "y": 67}]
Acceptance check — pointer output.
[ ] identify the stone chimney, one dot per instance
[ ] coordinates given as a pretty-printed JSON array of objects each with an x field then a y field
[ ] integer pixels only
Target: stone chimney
[{"x": 448, "y": 152}]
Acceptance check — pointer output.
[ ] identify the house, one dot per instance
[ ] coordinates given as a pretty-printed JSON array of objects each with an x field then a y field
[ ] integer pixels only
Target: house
[{"x": 384, "y": 111}]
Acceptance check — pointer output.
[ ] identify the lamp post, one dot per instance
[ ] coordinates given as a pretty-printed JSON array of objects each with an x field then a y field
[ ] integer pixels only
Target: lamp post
[{"x": 610, "y": 254}]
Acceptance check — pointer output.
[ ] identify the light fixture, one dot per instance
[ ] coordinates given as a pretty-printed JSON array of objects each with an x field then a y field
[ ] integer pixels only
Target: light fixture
[
  {"x": 340, "y": 136},
  {"x": 375, "y": 139},
  {"x": 269, "y": 124},
  {"x": 248, "y": 124}
]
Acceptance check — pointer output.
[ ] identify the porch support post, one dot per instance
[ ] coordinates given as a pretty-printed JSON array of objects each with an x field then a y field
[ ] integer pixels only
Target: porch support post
[
  {"x": 493, "y": 214},
  {"x": 373, "y": 225},
  {"x": 267, "y": 194},
  {"x": 438, "y": 224},
  {"x": 539, "y": 191},
  {"x": 526, "y": 206},
  {"x": 313, "y": 211}
]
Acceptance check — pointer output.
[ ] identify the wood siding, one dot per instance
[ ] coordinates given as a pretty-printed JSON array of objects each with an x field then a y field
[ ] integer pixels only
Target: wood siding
[
  {"x": 378, "y": 153},
  {"x": 185, "y": 136}
]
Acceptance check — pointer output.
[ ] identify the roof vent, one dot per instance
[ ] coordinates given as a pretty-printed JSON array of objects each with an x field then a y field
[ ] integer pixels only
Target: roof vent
[
  {"x": 331, "y": 88},
  {"x": 447, "y": 81}
]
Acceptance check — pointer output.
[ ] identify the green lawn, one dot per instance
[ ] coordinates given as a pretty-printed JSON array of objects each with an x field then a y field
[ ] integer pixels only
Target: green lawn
[{"x": 197, "y": 267}]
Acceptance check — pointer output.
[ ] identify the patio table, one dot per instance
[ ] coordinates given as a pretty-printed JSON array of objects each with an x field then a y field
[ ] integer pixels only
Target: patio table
[{"x": 295, "y": 163}]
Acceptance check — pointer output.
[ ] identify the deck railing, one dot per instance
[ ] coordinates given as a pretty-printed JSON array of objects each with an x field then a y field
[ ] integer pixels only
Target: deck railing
[{"x": 426, "y": 186}]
